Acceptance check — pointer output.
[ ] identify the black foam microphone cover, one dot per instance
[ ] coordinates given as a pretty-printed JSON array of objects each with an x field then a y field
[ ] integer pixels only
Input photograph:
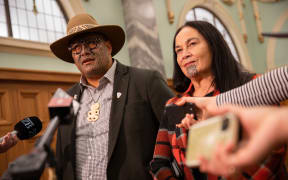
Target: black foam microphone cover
[{"x": 28, "y": 127}]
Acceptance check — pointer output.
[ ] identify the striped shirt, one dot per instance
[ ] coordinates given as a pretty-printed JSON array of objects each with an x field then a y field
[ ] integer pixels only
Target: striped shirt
[
  {"x": 268, "y": 89},
  {"x": 92, "y": 137}
]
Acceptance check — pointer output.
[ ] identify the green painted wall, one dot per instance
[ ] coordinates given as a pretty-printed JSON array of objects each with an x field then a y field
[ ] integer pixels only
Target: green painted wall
[
  {"x": 269, "y": 13},
  {"x": 111, "y": 12},
  {"x": 281, "y": 49},
  {"x": 20, "y": 61}
]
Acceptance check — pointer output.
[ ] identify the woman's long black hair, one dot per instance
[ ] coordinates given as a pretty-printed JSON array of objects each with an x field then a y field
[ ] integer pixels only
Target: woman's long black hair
[{"x": 228, "y": 73}]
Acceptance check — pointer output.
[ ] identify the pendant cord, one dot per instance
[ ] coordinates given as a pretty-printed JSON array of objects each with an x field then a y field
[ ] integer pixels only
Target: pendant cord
[
  {"x": 211, "y": 85},
  {"x": 89, "y": 92}
]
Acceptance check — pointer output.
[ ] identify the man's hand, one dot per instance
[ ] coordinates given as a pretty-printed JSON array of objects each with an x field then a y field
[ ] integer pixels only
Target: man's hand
[{"x": 8, "y": 142}]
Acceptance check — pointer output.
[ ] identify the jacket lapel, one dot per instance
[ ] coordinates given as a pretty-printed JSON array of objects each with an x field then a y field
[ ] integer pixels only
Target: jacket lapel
[{"x": 119, "y": 96}]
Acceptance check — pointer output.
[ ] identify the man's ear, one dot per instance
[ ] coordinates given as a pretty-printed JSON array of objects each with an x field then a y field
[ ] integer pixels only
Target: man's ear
[{"x": 109, "y": 46}]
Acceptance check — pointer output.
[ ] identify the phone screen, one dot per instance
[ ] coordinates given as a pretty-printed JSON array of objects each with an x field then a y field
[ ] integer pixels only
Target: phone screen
[{"x": 176, "y": 113}]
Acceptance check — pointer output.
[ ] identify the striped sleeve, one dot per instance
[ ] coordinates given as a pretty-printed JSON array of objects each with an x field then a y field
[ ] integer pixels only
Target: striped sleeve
[{"x": 268, "y": 89}]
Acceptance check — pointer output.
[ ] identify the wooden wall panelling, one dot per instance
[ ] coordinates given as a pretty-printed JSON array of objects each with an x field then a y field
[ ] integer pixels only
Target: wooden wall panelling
[
  {"x": 6, "y": 121},
  {"x": 4, "y": 107},
  {"x": 25, "y": 93},
  {"x": 31, "y": 103}
]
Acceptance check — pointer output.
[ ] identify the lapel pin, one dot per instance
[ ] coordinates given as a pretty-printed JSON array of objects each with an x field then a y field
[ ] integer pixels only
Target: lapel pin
[
  {"x": 75, "y": 96},
  {"x": 118, "y": 95}
]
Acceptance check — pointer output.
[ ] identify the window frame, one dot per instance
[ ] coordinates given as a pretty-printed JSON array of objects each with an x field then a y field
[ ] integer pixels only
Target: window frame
[
  {"x": 19, "y": 46},
  {"x": 223, "y": 15}
]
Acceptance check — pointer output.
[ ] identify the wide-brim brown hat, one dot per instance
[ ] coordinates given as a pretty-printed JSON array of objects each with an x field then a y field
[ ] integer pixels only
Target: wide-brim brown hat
[{"x": 84, "y": 23}]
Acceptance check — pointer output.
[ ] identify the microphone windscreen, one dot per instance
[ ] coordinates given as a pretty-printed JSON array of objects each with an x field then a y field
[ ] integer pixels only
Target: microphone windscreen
[
  {"x": 63, "y": 106},
  {"x": 28, "y": 127}
]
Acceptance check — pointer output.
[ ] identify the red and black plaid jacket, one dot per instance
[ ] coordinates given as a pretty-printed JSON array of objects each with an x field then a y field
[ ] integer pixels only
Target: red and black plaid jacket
[{"x": 171, "y": 144}]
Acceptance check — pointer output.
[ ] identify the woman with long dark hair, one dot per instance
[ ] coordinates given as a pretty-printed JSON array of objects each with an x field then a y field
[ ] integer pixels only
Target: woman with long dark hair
[
  {"x": 226, "y": 71},
  {"x": 203, "y": 66}
]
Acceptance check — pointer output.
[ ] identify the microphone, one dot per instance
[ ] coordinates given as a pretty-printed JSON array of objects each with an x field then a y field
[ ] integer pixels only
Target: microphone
[
  {"x": 26, "y": 128},
  {"x": 62, "y": 107}
]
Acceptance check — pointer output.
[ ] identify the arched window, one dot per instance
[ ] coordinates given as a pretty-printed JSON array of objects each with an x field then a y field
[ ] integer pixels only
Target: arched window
[
  {"x": 203, "y": 14},
  {"x": 45, "y": 22},
  {"x": 23, "y": 32}
]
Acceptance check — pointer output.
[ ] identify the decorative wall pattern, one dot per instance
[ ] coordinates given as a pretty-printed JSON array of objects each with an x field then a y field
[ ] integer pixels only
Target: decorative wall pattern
[{"x": 142, "y": 35}]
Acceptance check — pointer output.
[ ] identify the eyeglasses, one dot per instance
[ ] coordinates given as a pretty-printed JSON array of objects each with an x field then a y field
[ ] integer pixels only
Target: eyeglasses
[{"x": 76, "y": 47}]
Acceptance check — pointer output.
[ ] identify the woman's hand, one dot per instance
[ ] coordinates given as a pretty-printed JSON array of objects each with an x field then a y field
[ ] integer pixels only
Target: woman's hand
[
  {"x": 187, "y": 121},
  {"x": 203, "y": 105}
]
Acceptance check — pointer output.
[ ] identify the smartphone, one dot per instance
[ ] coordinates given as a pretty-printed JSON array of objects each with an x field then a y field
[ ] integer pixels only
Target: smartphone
[
  {"x": 204, "y": 136},
  {"x": 175, "y": 113}
]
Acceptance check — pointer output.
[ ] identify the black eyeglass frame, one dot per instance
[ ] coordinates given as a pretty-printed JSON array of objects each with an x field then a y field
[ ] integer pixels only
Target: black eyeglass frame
[{"x": 90, "y": 42}]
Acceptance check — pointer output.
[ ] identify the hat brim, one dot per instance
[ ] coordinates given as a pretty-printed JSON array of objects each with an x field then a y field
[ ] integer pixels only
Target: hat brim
[
  {"x": 115, "y": 35},
  {"x": 276, "y": 35}
]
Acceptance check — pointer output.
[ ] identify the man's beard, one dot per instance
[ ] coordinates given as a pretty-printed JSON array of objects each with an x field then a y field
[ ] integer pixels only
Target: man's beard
[
  {"x": 192, "y": 71},
  {"x": 98, "y": 69},
  {"x": 101, "y": 65}
]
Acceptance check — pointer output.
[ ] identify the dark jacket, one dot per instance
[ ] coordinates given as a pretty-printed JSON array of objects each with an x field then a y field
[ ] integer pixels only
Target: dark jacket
[{"x": 134, "y": 123}]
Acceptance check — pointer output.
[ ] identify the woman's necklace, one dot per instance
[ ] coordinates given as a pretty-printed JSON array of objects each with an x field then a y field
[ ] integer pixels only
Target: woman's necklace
[
  {"x": 206, "y": 92},
  {"x": 93, "y": 114},
  {"x": 211, "y": 85}
]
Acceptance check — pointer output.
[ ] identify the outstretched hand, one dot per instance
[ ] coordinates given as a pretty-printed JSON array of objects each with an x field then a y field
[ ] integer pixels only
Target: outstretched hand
[
  {"x": 8, "y": 142},
  {"x": 263, "y": 129}
]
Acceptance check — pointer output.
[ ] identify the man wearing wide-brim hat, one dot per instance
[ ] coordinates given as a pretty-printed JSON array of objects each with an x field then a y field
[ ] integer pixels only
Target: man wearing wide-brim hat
[{"x": 114, "y": 133}]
